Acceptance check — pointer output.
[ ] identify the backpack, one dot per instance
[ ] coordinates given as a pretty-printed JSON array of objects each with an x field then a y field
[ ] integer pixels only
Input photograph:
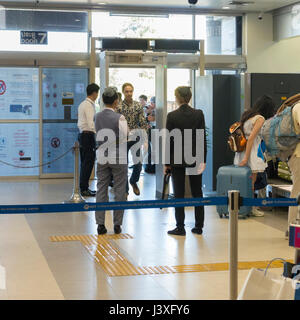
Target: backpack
[
  {"x": 237, "y": 141},
  {"x": 279, "y": 133}
]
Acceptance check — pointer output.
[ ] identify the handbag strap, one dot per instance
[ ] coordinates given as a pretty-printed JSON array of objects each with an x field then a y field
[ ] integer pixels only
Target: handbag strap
[{"x": 268, "y": 266}]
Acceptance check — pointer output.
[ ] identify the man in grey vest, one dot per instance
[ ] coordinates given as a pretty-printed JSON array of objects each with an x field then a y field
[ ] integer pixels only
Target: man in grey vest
[{"x": 111, "y": 140}]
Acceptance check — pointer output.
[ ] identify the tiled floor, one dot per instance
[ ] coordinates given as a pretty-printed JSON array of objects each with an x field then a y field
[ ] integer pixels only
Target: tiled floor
[{"x": 37, "y": 268}]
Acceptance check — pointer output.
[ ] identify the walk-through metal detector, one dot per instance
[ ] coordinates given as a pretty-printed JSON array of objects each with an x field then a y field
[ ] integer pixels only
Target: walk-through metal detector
[{"x": 161, "y": 61}]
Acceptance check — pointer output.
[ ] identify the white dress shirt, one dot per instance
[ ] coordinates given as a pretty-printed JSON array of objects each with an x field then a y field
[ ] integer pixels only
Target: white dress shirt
[{"x": 86, "y": 115}]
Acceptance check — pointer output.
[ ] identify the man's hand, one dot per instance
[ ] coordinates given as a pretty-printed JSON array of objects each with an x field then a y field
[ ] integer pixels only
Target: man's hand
[
  {"x": 151, "y": 118},
  {"x": 167, "y": 170},
  {"x": 201, "y": 168}
]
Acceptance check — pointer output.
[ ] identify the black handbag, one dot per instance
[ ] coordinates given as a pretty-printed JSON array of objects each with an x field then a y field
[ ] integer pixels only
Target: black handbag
[
  {"x": 165, "y": 185},
  {"x": 261, "y": 181}
]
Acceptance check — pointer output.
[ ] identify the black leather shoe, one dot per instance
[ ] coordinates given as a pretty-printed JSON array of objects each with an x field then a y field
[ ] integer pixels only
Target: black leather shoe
[
  {"x": 88, "y": 193},
  {"x": 197, "y": 230},
  {"x": 135, "y": 188},
  {"x": 177, "y": 232},
  {"x": 92, "y": 191},
  {"x": 117, "y": 229},
  {"x": 101, "y": 229}
]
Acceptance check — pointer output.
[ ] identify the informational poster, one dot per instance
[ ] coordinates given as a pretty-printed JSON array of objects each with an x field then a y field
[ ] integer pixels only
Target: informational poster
[
  {"x": 62, "y": 91},
  {"x": 58, "y": 138},
  {"x": 19, "y": 93},
  {"x": 19, "y": 146}
]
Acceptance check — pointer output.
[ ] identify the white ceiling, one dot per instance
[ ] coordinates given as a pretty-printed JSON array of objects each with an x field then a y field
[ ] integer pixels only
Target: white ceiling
[{"x": 258, "y": 5}]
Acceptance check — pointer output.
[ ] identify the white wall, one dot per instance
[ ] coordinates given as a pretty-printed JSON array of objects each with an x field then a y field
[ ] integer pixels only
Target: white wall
[{"x": 265, "y": 55}]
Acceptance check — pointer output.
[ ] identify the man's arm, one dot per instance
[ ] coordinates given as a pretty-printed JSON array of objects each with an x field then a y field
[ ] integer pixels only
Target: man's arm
[
  {"x": 202, "y": 126},
  {"x": 142, "y": 120},
  {"x": 90, "y": 114},
  {"x": 123, "y": 127}
]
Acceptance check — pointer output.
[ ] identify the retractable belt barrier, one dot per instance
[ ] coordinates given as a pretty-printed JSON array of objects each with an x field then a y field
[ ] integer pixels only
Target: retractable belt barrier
[
  {"x": 234, "y": 202},
  {"x": 146, "y": 204}
]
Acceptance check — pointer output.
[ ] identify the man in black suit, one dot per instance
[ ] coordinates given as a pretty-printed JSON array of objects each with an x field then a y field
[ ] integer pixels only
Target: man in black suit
[{"x": 185, "y": 117}]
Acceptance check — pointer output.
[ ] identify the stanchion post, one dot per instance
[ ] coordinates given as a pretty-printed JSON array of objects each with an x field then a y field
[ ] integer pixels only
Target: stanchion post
[
  {"x": 76, "y": 196},
  {"x": 233, "y": 209}
]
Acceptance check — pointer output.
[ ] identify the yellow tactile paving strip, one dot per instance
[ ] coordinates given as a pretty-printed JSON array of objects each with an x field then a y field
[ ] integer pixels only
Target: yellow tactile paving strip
[{"x": 109, "y": 257}]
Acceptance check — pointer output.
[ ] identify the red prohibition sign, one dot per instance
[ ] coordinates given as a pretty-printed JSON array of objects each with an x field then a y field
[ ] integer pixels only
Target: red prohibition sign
[
  {"x": 2, "y": 87},
  {"x": 55, "y": 142}
]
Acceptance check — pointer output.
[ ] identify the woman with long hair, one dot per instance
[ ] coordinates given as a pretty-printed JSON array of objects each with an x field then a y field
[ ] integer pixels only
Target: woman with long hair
[
  {"x": 251, "y": 122},
  {"x": 294, "y": 159}
]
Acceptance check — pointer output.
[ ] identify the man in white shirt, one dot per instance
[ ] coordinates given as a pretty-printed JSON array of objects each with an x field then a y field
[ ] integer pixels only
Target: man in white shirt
[{"x": 86, "y": 138}]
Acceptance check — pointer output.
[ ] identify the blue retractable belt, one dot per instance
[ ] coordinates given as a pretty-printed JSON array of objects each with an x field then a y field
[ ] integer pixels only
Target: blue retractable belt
[{"x": 147, "y": 204}]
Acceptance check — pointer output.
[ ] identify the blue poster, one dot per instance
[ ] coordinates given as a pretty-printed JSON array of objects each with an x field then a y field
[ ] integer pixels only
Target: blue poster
[
  {"x": 62, "y": 91},
  {"x": 19, "y": 146},
  {"x": 58, "y": 138},
  {"x": 19, "y": 93}
]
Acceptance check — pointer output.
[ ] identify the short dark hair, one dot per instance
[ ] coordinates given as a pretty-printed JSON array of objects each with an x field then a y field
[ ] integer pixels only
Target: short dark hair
[
  {"x": 110, "y": 99},
  {"x": 142, "y": 96},
  {"x": 127, "y": 84},
  {"x": 91, "y": 88}
]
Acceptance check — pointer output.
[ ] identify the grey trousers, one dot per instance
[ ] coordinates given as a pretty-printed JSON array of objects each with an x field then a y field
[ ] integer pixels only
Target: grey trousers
[
  {"x": 294, "y": 165},
  {"x": 119, "y": 173}
]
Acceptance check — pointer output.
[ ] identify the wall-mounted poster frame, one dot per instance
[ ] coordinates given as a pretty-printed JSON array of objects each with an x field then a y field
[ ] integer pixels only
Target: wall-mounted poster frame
[
  {"x": 21, "y": 107},
  {"x": 63, "y": 123}
]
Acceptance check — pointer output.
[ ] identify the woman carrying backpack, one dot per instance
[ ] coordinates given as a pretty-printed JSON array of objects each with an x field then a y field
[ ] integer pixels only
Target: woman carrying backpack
[
  {"x": 251, "y": 122},
  {"x": 294, "y": 159}
]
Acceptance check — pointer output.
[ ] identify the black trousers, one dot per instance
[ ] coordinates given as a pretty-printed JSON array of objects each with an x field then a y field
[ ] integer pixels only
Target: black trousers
[
  {"x": 178, "y": 179},
  {"x": 87, "y": 144}
]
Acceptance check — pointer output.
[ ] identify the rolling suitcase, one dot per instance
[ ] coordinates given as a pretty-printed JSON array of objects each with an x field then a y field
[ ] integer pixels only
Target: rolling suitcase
[{"x": 234, "y": 178}]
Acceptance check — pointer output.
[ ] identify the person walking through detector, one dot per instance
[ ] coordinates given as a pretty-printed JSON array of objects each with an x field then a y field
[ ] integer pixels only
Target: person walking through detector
[
  {"x": 112, "y": 162},
  {"x": 86, "y": 138},
  {"x": 185, "y": 117},
  {"x": 134, "y": 115},
  {"x": 251, "y": 122},
  {"x": 150, "y": 117}
]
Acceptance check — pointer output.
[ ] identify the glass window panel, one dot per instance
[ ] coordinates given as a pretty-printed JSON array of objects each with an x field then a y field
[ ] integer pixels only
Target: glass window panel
[
  {"x": 176, "y": 78},
  {"x": 57, "y": 42},
  {"x": 143, "y": 80},
  {"x": 219, "y": 33},
  {"x": 19, "y": 146},
  {"x": 169, "y": 27},
  {"x": 19, "y": 93}
]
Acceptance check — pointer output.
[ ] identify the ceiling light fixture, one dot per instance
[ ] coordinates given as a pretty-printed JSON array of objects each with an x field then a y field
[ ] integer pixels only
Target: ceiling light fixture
[
  {"x": 240, "y": 3},
  {"x": 122, "y": 14}
]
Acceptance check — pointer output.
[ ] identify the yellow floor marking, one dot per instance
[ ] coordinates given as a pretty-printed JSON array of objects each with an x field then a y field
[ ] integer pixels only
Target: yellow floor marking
[{"x": 109, "y": 257}]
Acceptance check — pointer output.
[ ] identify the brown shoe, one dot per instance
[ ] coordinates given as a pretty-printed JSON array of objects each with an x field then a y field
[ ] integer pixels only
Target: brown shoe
[{"x": 135, "y": 188}]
